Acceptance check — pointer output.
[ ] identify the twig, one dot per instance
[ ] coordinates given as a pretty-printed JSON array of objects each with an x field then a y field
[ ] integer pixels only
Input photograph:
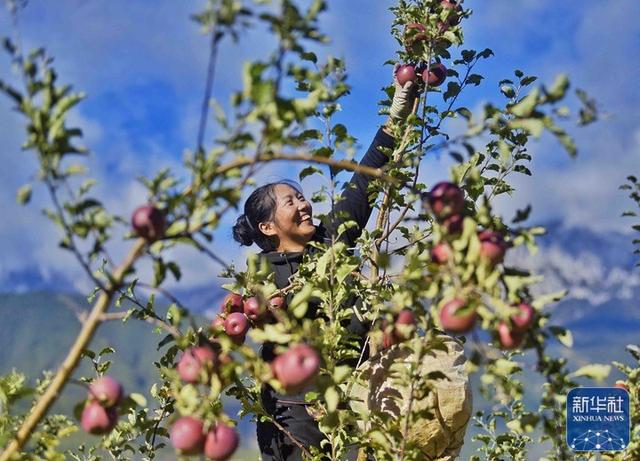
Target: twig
[
  {"x": 290, "y": 435},
  {"x": 173, "y": 331},
  {"x": 211, "y": 68}
]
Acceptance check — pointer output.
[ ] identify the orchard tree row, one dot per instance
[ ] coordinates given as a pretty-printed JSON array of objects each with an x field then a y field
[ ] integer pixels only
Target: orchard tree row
[{"x": 433, "y": 264}]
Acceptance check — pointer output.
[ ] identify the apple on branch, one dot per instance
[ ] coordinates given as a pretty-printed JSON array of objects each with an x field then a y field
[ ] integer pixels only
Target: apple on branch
[
  {"x": 406, "y": 73},
  {"x": 492, "y": 246},
  {"x": 106, "y": 390},
  {"x": 236, "y": 326},
  {"x": 445, "y": 199},
  {"x": 220, "y": 442},
  {"x": 296, "y": 368},
  {"x": 277, "y": 302},
  {"x": 253, "y": 309},
  {"x": 187, "y": 435},
  {"x": 196, "y": 364},
  {"x": 455, "y": 321},
  {"x": 509, "y": 338},
  {"x": 453, "y": 224},
  {"x": 218, "y": 323},
  {"x": 403, "y": 326},
  {"x": 98, "y": 420},
  {"x": 232, "y": 303},
  {"x": 454, "y": 11},
  {"x": 148, "y": 222},
  {"x": 441, "y": 253},
  {"x": 414, "y": 38},
  {"x": 524, "y": 319},
  {"x": 621, "y": 385},
  {"x": 435, "y": 75}
]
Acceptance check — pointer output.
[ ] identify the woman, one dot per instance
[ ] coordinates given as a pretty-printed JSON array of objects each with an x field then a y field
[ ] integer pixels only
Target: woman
[{"x": 278, "y": 218}]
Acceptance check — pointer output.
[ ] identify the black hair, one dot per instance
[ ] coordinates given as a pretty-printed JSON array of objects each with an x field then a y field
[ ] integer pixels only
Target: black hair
[{"x": 259, "y": 207}]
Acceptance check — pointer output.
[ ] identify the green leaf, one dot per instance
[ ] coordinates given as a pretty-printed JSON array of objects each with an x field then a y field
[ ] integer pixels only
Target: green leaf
[
  {"x": 300, "y": 301},
  {"x": 23, "y": 195},
  {"x": 139, "y": 399},
  {"x": 508, "y": 91},
  {"x": 527, "y": 105},
  {"x": 308, "y": 171},
  {"x": 332, "y": 398},
  {"x": 597, "y": 372},
  {"x": 309, "y": 56},
  {"x": 558, "y": 88},
  {"x": 522, "y": 169},
  {"x": 563, "y": 335},
  {"x": 533, "y": 126},
  {"x": 453, "y": 89},
  {"x": 341, "y": 373}
]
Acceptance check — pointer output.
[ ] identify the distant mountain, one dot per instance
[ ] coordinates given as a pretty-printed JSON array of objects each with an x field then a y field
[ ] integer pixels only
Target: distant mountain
[{"x": 38, "y": 328}]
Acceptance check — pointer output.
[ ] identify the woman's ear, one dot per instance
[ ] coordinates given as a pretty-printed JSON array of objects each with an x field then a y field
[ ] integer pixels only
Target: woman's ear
[{"x": 268, "y": 228}]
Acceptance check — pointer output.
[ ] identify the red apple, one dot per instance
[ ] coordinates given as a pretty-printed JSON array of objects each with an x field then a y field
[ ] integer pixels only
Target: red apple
[
  {"x": 457, "y": 322},
  {"x": 406, "y": 73},
  {"x": 435, "y": 75},
  {"x": 622, "y": 385},
  {"x": 231, "y": 303},
  {"x": 253, "y": 309},
  {"x": 196, "y": 363},
  {"x": 296, "y": 368},
  {"x": 453, "y": 224},
  {"x": 388, "y": 338},
  {"x": 236, "y": 326},
  {"x": 445, "y": 199},
  {"x": 221, "y": 442},
  {"x": 148, "y": 222},
  {"x": 218, "y": 323},
  {"x": 414, "y": 33},
  {"x": 407, "y": 318},
  {"x": 454, "y": 15},
  {"x": 492, "y": 246},
  {"x": 401, "y": 330},
  {"x": 509, "y": 339},
  {"x": 98, "y": 420},
  {"x": 524, "y": 319},
  {"x": 277, "y": 302},
  {"x": 441, "y": 253},
  {"x": 187, "y": 435},
  {"x": 107, "y": 390}
]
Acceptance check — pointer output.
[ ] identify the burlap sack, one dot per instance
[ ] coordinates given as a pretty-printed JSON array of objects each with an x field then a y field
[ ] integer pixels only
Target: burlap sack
[{"x": 441, "y": 437}]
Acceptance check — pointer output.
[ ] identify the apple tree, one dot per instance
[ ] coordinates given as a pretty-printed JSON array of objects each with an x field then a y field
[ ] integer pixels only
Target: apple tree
[{"x": 434, "y": 265}]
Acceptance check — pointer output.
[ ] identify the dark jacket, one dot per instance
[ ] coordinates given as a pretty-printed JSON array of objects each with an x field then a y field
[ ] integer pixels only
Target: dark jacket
[{"x": 356, "y": 203}]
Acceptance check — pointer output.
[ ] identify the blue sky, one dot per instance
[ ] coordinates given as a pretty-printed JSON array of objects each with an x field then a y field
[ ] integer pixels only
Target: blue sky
[{"x": 142, "y": 65}]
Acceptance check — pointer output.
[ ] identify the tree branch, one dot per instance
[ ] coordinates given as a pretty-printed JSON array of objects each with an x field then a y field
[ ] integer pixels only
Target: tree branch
[{"x": 73, "y": 356}]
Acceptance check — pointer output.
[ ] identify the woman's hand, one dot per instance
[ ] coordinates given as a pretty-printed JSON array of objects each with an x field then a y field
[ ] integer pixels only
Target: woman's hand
[{"x": 403, "y": 98}]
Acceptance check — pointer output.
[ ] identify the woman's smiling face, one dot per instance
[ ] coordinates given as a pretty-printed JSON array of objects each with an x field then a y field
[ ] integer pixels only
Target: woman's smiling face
[{"x": 292, "y": 222}]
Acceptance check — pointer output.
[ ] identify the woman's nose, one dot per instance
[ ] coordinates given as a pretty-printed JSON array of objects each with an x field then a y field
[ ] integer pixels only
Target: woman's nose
[{"x": 303, "y": 205}]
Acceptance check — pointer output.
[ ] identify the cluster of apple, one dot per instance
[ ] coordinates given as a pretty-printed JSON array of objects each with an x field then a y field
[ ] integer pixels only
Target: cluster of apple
[
  {"x": 187, "y": 434},
  {"x": 446, "y": 202},
  {"x": 296, "y": 367},
  {"x": 218, "y": 443},
  {"x": 237, "y": 315},
  {"x": 100, "y": 413},
  {"x": 416, "y": 38}
]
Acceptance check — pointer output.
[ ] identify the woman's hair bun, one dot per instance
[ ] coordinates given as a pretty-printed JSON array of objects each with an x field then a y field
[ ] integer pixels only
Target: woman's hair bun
[{"x": 242, "y": 233}]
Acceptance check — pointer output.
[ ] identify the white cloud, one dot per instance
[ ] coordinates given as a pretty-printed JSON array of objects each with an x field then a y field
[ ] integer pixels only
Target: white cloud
[{"x": 113, "y": 48}]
